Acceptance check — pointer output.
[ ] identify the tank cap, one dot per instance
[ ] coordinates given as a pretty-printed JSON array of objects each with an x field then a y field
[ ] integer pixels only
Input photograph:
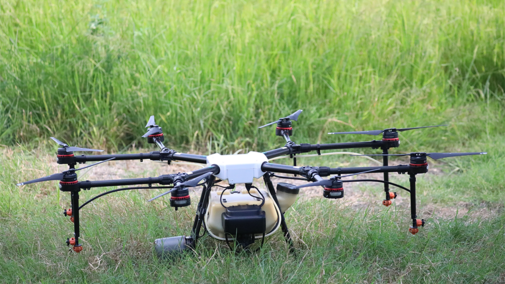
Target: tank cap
[{"x": 288, "y": 188}]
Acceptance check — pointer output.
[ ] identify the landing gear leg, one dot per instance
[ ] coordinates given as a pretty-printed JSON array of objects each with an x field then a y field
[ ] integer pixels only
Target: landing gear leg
[{"x": 285, "y": 230}]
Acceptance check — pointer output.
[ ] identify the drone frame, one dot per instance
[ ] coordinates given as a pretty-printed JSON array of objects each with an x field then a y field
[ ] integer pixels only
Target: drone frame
[{"x": 69, "y": 183}]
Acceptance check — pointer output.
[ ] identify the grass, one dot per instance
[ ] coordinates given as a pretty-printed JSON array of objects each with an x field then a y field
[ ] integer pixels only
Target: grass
[
  {"x": 92, "y": 72},
  {"x": 350, "y": 240}
]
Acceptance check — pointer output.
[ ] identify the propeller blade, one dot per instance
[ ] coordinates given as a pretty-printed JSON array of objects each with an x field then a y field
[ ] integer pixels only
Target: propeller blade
[
  {"x": 75, "y": 149},
  {"x": 410, "y": 128},
  {"x": 90, "y": 165},
  {"x": 270, "y": 123},
  {"x": 294, "y": 116},
  {"x": 194, "y": 182},
  {"x": 436, "y": 156},
  {"x": 377, "y": 132},
  {"x": 59, "y": 142},
  {"x": 163, "y": 194},
  {"x": 371, "y": 132},
  {"x": 152, "y": 130},
  {"x": 326, "y": 182},
  {"x": 61, "y": 175},
  {"x": 151, "y": 122},
  {"x": 51, "y": 177}
]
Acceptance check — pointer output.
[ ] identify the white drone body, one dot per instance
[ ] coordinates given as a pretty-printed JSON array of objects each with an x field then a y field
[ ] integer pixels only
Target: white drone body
[{"x": 241, "y": 168}]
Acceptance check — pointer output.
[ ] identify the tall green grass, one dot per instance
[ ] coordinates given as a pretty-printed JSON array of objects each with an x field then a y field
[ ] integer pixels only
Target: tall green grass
[{"x": 212, "y": 71}]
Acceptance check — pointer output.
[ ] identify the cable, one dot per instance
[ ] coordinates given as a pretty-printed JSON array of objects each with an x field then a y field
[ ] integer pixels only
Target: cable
[
  {"x": 262, "y": 197},
  {"x": 221, "y": 197},
  {"x": 121, "y": 189},
  {"x": 286, "y": 177},
  {"x": 376, "y": 180}
]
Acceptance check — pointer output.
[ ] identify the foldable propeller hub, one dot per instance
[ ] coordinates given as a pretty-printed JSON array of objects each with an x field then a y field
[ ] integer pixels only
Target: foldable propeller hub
[
  {"x": 419, "y": 162},
  {"x": 284, "y": 126},
  {"x": 65, "y": 157},
  {"x": 69, "y": 182},
  {"x": 391, "y": 138},
  {"x": 335, "y": 190},
  {"x": 154, "y": 132},
  {"x": 62, "y": 152},
  {"x": 180, "y": 198}
]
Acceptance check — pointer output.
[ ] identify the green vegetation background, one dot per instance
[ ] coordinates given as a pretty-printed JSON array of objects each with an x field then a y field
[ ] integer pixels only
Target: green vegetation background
[{"x": 92, "y": 72}]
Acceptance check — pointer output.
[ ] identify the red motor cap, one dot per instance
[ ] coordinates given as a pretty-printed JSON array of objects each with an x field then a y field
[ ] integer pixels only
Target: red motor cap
[
  {"x": 419, "y": 165},
  {"x": 333, "y": 189},
  {"x": 156, "y": 135},
  {"x": 179, "y": 197},
  {"x": 68, "y": 182}
]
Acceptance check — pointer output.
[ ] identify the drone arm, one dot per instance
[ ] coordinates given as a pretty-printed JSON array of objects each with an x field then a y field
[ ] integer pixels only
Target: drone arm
[
  {"x": 277, "y": 168},
  {"x": 154, "y": 156},
  {"x": 276, "y": 152},
  {"x": 200, "y": 159},
  {"x": 163, "y": 179},
  {"x": 304, "y": 148},
  {"x": 120, "y": 182}
]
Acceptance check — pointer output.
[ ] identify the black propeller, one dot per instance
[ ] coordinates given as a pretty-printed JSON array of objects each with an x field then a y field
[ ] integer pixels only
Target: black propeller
[
  {"x": 332, "y": 180},
  {"x": 190, "y": 183},
  {"x": 73, "y": 149},
  {"x": 293, "y": 116},
  {"x": 61, "y": 175},
  {"x": 153, "y": 128},
  {"x": 434, "y": 156},
  {"x": 377, "y": 132}
]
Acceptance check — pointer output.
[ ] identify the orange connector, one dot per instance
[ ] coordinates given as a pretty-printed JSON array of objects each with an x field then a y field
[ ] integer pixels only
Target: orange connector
[
  {"x": 413, "y": 231},
  {"x": 387, "y": 202},
  {"x": 72, "y": 219},
  {"x": 71, "y": 241},
  {"x": 67, "y": 212},
  {"x": 420, "y": 222},
  {"x": 77, "y": 248},
  {"x": 392, "y": 195}
]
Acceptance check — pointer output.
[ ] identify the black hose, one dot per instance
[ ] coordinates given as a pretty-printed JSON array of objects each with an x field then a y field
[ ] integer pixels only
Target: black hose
[
  {"x": 121, "y": 189},
  {"x": 297, "y": 178}
]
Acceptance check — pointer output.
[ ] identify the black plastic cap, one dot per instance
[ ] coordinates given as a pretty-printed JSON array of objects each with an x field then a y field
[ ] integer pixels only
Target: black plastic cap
[{"x": 288, "y": 188}]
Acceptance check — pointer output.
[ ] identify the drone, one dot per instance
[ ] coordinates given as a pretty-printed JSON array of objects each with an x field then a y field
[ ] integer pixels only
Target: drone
[{"x": 245, "y": 216}]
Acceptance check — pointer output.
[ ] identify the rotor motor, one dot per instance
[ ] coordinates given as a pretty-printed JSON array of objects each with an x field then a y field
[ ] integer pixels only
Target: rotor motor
[
  {"x": 180, "y": 198},
  {"x": 335, "y": 191},
  {"x": 284, "y": 127}
]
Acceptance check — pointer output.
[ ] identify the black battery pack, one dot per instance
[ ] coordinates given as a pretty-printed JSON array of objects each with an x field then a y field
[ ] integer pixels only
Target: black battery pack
[{"x": 244, "y": 219}]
